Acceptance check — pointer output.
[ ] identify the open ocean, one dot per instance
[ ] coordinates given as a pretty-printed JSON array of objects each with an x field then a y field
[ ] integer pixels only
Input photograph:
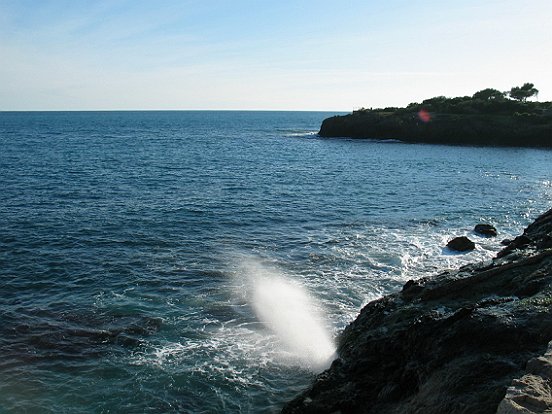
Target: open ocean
[{"x": 203, "y": 262}]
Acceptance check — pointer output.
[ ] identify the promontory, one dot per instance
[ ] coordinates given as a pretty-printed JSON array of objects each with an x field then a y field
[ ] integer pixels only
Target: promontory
[{"x": 489, "y": 117}]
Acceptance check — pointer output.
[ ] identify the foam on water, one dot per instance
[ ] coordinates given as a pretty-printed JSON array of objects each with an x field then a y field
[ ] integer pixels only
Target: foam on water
[
  {"x": 273, "y": 319},
  {"x": 274, "y": 325},
  {"x": 302, "y": 134}
]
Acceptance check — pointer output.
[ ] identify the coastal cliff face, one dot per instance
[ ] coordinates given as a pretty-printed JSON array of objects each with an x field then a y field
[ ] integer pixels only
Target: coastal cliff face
[
  {"x": 419, "y": 125},
  {"x": 465, "y": 341}
]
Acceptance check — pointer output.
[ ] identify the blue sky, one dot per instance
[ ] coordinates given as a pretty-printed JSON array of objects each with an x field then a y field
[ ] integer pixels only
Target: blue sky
[{"x": 244, "y": 54}]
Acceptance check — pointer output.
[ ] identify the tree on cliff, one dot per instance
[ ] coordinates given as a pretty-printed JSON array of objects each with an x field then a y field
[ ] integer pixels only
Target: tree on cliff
[
  {"x": 521, "y": 93},
  {"x": 489, "y": 94}
]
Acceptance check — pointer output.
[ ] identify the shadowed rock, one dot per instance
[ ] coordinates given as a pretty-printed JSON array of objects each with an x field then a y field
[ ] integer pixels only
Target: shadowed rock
[
  {"x": 461, "y": 244},
  {"x": 485, "y": 230},
  {"x": 453, "y": 121},
  {"x": 48, "y": 336}
]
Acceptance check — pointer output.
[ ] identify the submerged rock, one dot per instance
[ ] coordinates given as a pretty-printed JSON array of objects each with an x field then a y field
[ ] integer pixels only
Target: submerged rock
[
  {"x": 451, "y": 343},
  {"x": 485, "y": 230},
  {"x": 461, "y": 244}
]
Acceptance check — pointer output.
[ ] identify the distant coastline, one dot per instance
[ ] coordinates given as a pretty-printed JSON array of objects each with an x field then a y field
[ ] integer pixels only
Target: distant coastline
[{"x": 487, "y": 118}]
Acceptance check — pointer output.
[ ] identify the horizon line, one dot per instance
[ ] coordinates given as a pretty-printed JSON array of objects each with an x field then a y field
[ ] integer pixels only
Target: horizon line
[{"x": 173, "y": 110}]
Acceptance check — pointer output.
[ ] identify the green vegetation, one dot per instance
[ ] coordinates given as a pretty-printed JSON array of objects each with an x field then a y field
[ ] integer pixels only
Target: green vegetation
[
  {"x": 487, "y": 101},
  {"x": 488, "y": 117},
  {"x": 521, "y": 93},
  {"x": 489, "y": 94}
]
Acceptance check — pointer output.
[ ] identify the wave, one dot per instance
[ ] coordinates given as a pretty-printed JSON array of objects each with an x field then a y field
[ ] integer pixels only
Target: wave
[{"x": 301, "y": 134}]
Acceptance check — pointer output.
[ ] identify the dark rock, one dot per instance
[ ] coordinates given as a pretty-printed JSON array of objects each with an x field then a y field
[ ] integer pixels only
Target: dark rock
[
  {"x": 452, "y": 343},
  {"x": 461, "y": 244},
  {"x": 520, "y": 242},
  {"x": 452, "y": 122},
  {"x": 411, "y": 288},
  {"x": 506, "y": 242},
  {"x": 486, "y": 230}
]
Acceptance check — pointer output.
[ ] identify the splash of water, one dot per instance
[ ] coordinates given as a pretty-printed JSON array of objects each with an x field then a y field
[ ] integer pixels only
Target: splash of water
[{"x": 292, "y": 314}]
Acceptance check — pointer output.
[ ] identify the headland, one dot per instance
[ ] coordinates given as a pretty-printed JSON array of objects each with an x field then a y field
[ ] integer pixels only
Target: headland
[{"x": 486, "y": 118}]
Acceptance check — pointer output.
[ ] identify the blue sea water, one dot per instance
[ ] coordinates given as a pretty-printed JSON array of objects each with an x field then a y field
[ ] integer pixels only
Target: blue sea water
[{"x": 203, "y": 262}]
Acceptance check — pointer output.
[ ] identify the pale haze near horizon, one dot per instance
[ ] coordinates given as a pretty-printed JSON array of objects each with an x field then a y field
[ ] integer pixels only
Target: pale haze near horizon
[{"x": 308, "y": 55}]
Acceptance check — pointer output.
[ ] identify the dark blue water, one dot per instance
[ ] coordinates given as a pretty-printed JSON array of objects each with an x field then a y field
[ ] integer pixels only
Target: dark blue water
[{"x": 135, "y": 247}]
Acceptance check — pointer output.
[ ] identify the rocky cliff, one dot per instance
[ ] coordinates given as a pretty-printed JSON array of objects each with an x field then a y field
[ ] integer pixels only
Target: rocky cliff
[
  {"x": 503, "y": 123},
  {"x": 472, "y": 341}
]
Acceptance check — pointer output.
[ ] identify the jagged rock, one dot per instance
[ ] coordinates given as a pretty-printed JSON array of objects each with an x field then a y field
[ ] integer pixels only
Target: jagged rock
[
  {"x": 452, "y": 343},
  {"x": 461, "y": 244},
  {"x": 532, "y": 393},
  {"x": 485, "y": 230},
  {"x": 520, "y": 242}
]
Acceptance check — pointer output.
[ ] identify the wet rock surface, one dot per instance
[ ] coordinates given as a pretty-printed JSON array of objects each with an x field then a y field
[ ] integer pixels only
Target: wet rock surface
[
  {"x": 461, "y": 244},
  {"x": 460, "y": 342},
  {"x": 485, "y": 230}
]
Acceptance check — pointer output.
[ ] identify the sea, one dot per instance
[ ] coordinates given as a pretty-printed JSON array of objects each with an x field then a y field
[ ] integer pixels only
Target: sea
[{"x": 206, "y": 261}]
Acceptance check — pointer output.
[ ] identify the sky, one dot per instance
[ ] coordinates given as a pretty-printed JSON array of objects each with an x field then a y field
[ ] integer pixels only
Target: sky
[{"x": 266, "y": 55}]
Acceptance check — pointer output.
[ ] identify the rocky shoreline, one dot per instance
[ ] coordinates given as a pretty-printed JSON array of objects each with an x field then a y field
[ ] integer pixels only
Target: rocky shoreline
[
  {"x": 474, "y": 340},
  {"x": 453, "y": 121}
]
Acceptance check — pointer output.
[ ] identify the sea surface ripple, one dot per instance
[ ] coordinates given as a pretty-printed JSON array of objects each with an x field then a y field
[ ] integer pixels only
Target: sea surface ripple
[{"x": 147, "y": 258}]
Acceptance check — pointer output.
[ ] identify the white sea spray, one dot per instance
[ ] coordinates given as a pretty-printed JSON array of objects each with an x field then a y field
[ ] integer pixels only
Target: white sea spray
[{"x": 293, "y": 316}]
